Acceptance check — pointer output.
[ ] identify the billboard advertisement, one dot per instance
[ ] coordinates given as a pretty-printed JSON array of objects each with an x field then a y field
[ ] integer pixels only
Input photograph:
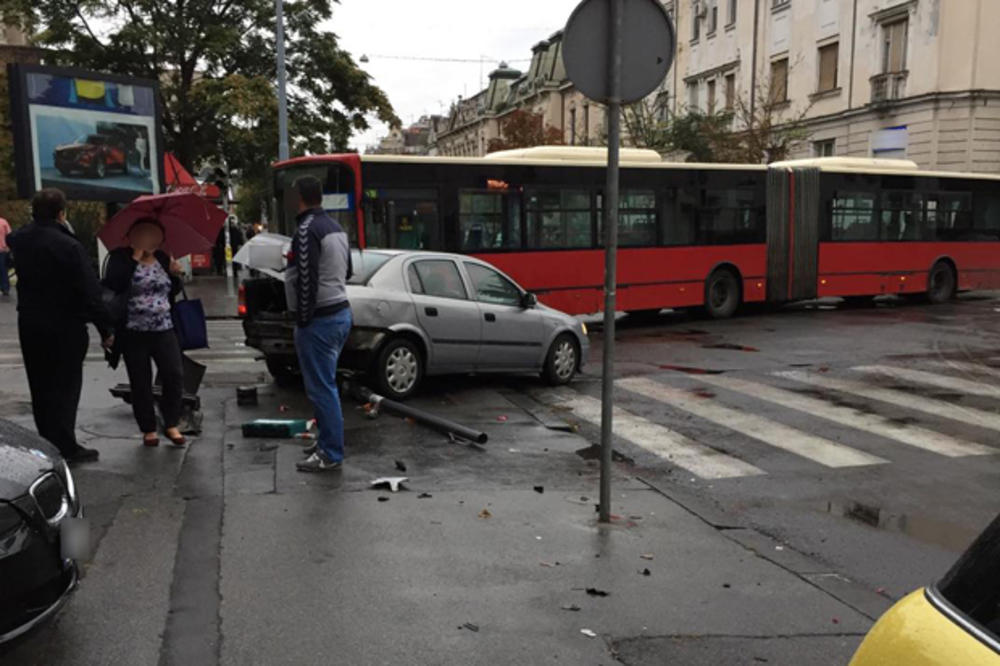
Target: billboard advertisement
[{"x": 95, "y": 136}]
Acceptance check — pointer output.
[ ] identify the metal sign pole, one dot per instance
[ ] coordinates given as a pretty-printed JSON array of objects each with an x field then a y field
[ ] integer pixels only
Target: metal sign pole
[
  {"x": 282, "y": 95},
  {"x": 610, "y": 253}
]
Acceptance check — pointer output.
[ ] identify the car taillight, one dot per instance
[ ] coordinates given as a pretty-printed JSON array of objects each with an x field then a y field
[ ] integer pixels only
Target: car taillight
[{"x": 241, "y": 307}]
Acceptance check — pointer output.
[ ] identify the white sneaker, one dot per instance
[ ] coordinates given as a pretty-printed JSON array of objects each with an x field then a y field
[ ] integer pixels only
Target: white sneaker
[{"x": 317, "y": 462}]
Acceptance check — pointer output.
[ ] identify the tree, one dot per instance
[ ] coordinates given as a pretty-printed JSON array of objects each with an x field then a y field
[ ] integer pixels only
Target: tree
[
  {"x": 767, "y": 126},
  {"x": 524, "y": 129},
  {"x": 215, "y": 63}
]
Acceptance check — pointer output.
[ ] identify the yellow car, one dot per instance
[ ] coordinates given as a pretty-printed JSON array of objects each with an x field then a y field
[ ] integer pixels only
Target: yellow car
[{"x": 955, "y": 622}]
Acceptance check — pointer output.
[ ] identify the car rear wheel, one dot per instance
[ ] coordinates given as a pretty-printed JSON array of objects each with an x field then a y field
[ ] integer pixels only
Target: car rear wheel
[
  {"x": 562, "y": 361},
  {"x": 286, "y": 374},
  {"x": 722, "y": 294},
  {"x": 941, "y": 283},
  {"x": 399, "y": 369}
]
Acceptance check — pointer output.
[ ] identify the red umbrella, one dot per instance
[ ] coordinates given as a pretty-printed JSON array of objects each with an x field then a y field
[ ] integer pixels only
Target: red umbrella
[{"x": 191, "y": 223}]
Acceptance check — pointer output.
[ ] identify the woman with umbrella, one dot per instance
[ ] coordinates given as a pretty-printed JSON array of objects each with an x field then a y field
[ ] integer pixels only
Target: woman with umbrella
[{"x": 145, "y": 279}]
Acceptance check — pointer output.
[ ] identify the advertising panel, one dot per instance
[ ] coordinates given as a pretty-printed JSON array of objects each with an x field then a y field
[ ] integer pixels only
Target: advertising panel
[{"x": 95, "y": 136}]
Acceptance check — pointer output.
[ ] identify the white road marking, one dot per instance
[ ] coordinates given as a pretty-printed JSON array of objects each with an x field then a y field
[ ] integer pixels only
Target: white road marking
[
  {"x": 932, "y": 379},
  {"x": 900, "y": 398},
  {"x": 778, "y": 435},
  {"x": 966, "y": 367},
  {"x": 682, "y": 451},
  {"x": 912, "y": 435}
]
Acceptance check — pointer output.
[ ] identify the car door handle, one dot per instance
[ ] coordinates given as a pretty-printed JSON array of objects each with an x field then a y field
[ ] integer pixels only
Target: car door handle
[
  {"x": 490, "y": 316},
  {"x": 431, "y": 312}
]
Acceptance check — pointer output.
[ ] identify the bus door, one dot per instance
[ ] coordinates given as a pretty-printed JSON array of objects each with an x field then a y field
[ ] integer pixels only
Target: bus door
[
  {"x": 402, "y": 219},
  {"x": 793, "y": 224}
]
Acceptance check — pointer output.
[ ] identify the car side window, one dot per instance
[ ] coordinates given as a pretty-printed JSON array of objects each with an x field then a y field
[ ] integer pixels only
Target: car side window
[
  {"x": 491, "y": 287},
  {"x": 436, "y": 277}
]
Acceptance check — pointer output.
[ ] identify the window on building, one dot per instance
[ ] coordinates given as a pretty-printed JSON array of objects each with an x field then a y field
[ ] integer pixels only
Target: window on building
[
  {"x": 693, "y": 96},
  {"x": 853, "y": 217},
  {"x": 559, "y": 218},
  {"x": 779, "y": 80},
  {"x": 572, "y": 127},
  {"x": 828, "y": 61},
  {"x": 730, "y": 91},
  {"x": 586, "y": 124},
  {"x": 894, "y": 46},
  {"x": 711, "y": 96},
  {"x": 825, "y": 148},
  {"x": 731, "y": 14},
  {"x": 484, "y": 223},
  {"x": 695, "y": 20},
  {"x": 713, "y": 16}
]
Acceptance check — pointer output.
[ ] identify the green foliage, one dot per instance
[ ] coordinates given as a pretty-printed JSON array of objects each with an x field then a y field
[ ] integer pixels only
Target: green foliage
[{"x": 215, "y": 61}]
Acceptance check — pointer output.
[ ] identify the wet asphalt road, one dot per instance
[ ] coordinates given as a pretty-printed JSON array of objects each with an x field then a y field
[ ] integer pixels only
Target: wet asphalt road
[{"x": 851, "y": 447}]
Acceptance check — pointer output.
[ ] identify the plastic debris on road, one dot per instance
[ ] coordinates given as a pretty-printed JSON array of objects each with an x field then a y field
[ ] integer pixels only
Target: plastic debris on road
[
  {"x": 570, "y": 607},
  {"x": 539, "y": 489},
  {"x": 594, "y": 592},
  {"x": 424, "y": 496},
  {"x": 588, "y": 633},
  {"x": 646, "y": 556},
  {"x": 400, "y": 465},
  {"x": 383, "y": 498},
  {"x": 393, "y": 483},
  {"x": 470, "y": 626}
]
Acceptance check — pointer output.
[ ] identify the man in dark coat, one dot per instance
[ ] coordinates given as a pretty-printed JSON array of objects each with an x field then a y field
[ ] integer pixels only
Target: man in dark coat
[{"x": 58, "y": 295}]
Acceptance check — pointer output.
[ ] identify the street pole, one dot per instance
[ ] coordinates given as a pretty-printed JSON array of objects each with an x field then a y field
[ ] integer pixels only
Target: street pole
[
  {"x": 282, "y": 96},
  {"x": 610, "y": 254},
  {"x": 229, "y": 245}
]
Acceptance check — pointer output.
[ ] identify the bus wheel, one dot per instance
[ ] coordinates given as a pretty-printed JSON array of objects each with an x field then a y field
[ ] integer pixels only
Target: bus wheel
[
  {"x": 941, "y": 283},
  {"x": 722, "y": 294}
]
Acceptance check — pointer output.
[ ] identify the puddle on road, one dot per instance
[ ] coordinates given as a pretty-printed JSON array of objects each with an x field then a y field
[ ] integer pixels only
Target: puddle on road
[
  {"x": 730, "y": 346},
  {"x": 690, "y": 370},
  {"x": 955, "y": 538}
]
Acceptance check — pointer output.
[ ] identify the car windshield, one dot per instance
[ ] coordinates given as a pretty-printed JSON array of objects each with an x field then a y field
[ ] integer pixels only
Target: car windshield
[
  {"x": 96, "y": 139},
  {"x": 973, "y": 584},
  {"x": 366, "y": 263}
]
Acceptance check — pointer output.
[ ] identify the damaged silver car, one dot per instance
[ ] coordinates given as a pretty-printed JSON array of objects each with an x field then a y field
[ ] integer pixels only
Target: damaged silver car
[{"x": 424, "y": 313}]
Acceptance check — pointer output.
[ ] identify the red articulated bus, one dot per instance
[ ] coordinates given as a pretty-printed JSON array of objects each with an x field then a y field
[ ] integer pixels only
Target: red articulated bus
[{"x": 692, "y": 235}]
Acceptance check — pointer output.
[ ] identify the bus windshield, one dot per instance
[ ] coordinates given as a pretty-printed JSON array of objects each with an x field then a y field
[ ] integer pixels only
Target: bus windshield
[{"x": 338, "y": 195}]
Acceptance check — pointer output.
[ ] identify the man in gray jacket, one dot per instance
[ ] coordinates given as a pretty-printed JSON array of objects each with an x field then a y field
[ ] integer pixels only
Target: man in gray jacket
[{"x": 315, "y": 287}]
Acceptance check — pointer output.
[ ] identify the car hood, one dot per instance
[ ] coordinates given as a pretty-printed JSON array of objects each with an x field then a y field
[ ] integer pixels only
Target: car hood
[{"x": 24, "y": 456}]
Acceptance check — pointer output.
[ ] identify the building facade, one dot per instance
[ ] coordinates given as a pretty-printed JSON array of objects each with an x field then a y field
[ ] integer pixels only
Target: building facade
[
  {"x": 417, "y": 139},
  {"x": 543, "y": 89},
  {"x": 910, "y": 79}
]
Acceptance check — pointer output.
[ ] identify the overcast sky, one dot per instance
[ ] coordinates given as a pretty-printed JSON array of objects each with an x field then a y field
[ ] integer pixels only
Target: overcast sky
[{"x": 466, "y": 29}]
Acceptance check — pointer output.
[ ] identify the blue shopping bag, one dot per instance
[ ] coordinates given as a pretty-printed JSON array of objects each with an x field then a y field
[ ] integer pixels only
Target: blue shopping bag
[{"x": 190, "y": 323}]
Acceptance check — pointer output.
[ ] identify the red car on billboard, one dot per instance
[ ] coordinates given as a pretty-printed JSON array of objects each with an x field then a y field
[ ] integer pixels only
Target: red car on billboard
[{"x": 92, "y": 154}]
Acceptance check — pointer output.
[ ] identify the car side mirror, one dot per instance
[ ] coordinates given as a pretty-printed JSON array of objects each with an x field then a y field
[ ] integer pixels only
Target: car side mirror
[{"x": 529, "y": 301}]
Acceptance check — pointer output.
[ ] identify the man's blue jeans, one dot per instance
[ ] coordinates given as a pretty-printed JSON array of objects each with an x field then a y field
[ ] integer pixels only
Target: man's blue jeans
[{"x": 319, "y": 345}]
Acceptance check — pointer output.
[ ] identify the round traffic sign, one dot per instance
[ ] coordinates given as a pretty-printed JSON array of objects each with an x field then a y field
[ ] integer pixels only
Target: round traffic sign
[{"x": 648, "y": 43}]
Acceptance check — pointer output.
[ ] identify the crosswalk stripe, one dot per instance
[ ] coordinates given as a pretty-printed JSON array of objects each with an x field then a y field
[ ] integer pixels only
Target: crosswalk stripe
[
  {"x": 698, "y": 459},
  {"x": 932, "y": 379},
  {"x": 778, "y": 435},
  {"x": 900, "y": 398},
  {"x": 916, "y": 436},
  {"x": 966, "y": 367}
]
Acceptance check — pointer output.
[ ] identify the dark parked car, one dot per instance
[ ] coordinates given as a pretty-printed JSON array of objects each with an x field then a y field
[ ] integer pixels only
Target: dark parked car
[
  {"x": 93, "y": 154},
  {"x": 40, "y": 515}
]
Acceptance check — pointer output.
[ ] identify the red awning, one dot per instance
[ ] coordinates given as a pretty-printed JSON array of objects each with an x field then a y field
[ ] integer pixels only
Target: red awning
[{"x": 177, "y": 177}]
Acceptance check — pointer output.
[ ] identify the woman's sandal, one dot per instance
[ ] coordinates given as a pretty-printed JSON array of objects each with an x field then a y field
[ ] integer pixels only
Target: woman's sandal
[
  {"x": 151, "y": 441},
  {"x": 180, "y": 440}
]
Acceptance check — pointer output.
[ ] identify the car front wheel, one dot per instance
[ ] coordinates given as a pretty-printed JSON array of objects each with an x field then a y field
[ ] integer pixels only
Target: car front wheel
[
  {"x": 399, "y": 369},
  {"x": 562, "y": 361}
]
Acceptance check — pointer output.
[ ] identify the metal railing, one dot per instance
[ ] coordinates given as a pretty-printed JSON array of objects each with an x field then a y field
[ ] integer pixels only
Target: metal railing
[{"x": 888, "y": 86}]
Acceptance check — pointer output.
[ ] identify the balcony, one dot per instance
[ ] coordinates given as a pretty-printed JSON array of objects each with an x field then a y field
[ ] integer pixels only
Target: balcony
[{"x": 888, "y": 87}]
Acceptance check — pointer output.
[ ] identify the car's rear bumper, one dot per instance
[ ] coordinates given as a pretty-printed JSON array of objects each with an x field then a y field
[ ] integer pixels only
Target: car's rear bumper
[{"x": 276, "y": 341}]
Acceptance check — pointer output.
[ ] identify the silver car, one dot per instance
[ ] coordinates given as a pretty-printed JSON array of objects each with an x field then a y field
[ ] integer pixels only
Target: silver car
[{"x": 432, "y": 313}]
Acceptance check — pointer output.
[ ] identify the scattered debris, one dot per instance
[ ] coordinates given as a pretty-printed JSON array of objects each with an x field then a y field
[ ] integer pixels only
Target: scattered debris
[
  {"x": 588, "y": 633},
  {"x": 691, "y": 371},
  {"x": 594, "y": 592},
  {"x": 547, "y": 565},
  {"x": 881, "y": 591},
  {"x": 400, "y": 465},
  {"x": 246, "y": 396},
  {"x": 730, "y": 346},
  {"x": 571, "y": 607},
  {"x": 703, "y": 393},
  {"x": 383, "y": 498},
  {"x": 779, "y": 547},
  {"x": 485, "y": 514},
  {"x": 646, "y": 556},
  {"x": 836, "y": 620},
  {"x": 284, "y": 409},
  {"x": 726, "y": 585},
  {"x": 539, "y": 489},
  {"x": 646, "y": 572},
  {"x": 275, "y": 428},
  {"x": 393, "y": 483},
  {"x": 502, "y": 418},
  {"x": 470, "y": 626},
  {"x": 424, "y": 496}
]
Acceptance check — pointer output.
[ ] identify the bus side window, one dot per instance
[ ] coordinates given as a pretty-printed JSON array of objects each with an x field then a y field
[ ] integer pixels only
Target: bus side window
[
  {"x": 376, "y": 234},
  {"x": 853, "y": 218},
  {"x": 728, "y": 217},
  {"x": 987, "y": 216},
  {"x": 559, "y": 219},
  {"x": 683, "y": 224},
  {"x": 902, "y": 217},
  {"x": 949, "y": 216},
  {"x": 489, "y": 220}
]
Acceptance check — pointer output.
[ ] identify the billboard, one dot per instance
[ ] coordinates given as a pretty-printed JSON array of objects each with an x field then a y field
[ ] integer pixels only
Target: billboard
[{"x": 95, "y": 136}]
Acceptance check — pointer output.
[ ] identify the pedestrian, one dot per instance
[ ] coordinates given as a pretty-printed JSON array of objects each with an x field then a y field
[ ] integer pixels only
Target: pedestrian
[
  {"x": 4, "y": 258},
  {"x": 145, "y": 280},
  {"x": 58, "y": 294},
  {"x": 141, "y": 146},
  {"x": 315, "y": 287}
]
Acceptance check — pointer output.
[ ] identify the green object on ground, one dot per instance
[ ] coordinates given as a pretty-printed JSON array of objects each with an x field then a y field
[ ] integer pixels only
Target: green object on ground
[{"x": 277, "y": 428}]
